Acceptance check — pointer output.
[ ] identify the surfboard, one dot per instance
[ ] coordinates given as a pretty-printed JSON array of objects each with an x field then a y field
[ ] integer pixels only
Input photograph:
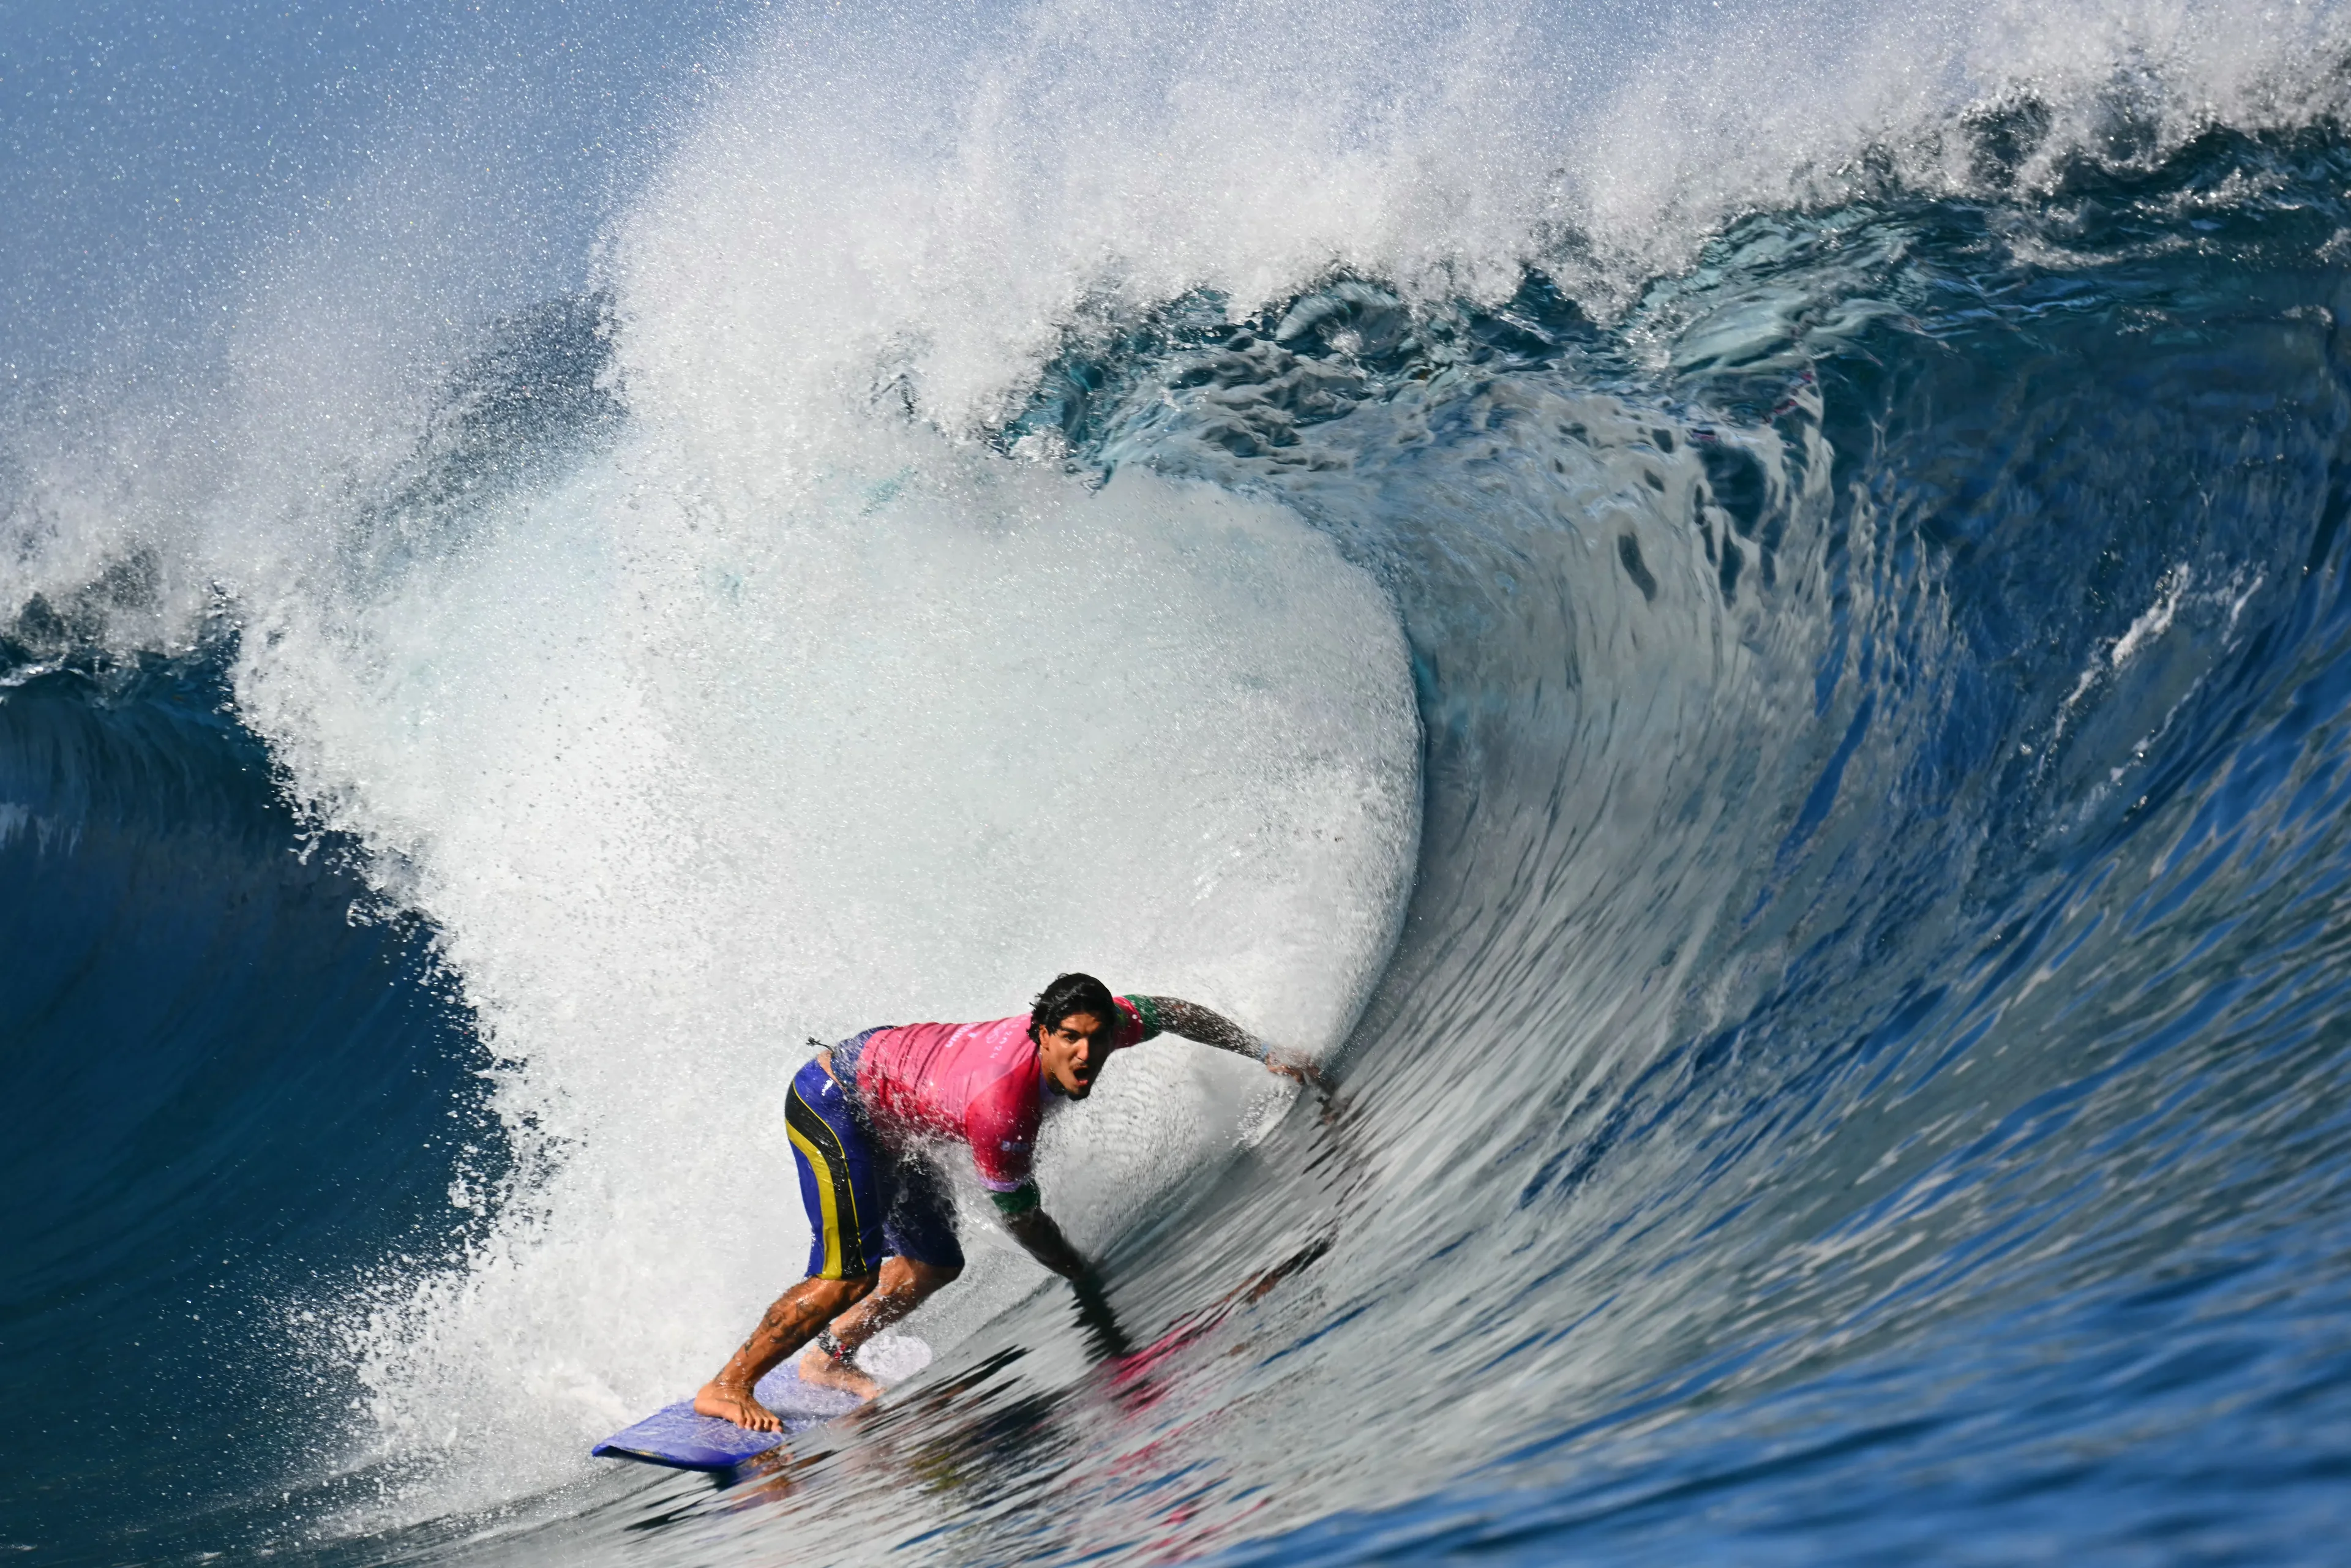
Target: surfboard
[{"x": 677, "y": 1436}]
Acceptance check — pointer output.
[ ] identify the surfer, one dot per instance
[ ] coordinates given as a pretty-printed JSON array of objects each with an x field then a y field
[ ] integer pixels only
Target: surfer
[{"x": 860, "y": 1117}]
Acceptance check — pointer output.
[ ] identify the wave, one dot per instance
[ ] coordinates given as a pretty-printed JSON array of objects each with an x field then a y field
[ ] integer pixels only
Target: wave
[
  {"x": 1761, "y": 675},
  {"x": 232, "y": 1073}
]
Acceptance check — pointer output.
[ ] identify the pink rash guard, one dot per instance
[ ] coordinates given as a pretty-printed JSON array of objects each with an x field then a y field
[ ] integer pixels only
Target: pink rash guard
[{"x": 976, "y": 1084}]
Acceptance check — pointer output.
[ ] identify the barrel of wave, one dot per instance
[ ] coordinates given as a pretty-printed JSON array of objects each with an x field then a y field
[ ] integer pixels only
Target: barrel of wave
[{"x": 683, "y": 781}]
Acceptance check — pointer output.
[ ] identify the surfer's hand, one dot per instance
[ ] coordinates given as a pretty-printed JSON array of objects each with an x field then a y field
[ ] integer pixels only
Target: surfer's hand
[
  {"x": 729, "y": 1403},
  {"x": 1294, "y": 1065},
  {"x": 1095, "y": 1317}
]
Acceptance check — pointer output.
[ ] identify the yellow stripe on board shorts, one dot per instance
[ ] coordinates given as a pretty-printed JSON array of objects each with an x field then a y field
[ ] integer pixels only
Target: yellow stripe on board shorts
[{"x": 840, "y": 1241}]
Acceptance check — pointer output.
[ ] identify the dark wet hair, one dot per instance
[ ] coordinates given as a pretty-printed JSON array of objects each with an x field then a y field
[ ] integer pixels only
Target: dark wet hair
[{"x": 1071, "y": 994}]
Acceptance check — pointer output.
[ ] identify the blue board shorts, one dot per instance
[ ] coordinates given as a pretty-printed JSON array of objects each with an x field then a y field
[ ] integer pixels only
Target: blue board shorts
[{"x": 864, "y": 1202}]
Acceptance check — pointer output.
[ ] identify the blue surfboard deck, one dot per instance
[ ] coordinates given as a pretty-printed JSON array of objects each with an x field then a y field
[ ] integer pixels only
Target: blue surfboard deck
[{"x": 677, "y": 1436}]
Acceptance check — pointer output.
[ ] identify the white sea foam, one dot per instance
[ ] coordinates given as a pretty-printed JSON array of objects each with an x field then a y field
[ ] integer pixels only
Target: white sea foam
[{"x": 685, "y": 777}]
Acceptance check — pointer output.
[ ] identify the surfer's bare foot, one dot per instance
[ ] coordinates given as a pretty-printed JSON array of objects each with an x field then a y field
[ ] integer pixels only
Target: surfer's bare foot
[
  {"x": 736, "y": 1405},
  {"x": 819, "y": 1370}
]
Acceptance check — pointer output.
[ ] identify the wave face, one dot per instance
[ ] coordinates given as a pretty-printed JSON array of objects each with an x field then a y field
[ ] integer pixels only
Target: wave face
[
  {"x": 1764, "y": 681},
  {"x": 231, "y": 1074}
]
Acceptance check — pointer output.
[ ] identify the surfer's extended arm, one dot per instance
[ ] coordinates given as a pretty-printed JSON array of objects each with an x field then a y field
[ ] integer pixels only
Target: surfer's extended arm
[
  {"x": 1034, "y": 1229},
  {"x": 1209, "y": 1027}
]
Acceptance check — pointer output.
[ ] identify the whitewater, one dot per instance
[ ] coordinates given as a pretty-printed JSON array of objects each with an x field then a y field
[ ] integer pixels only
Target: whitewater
[{"x": 1736, "y": 614}]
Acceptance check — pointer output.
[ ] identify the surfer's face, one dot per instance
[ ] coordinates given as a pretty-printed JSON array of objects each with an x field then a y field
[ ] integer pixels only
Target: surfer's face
[{"x": 1070, "y": 1054}]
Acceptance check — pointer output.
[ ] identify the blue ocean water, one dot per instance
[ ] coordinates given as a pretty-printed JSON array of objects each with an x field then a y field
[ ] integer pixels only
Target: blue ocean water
[{"x": 1788, "y": 749}]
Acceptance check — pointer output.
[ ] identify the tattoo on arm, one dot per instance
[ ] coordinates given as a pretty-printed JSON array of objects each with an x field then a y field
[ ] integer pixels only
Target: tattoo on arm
[{"x": 1207, "y": 1026}]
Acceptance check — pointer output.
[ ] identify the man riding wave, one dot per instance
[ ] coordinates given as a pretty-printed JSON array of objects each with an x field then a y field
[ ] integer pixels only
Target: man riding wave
[{"x": 860, "y": 1117}]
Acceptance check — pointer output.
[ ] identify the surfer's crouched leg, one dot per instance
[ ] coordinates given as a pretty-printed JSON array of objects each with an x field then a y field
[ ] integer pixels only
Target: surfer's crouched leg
[
  {"x": 906, "y": 1283},
  {"x": 791, "y": 1323},
  {"x": 849, "y": 1188}
]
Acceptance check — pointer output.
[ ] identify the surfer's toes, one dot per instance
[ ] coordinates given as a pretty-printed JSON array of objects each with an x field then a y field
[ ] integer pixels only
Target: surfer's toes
[{"x": 728, "y": 1405}]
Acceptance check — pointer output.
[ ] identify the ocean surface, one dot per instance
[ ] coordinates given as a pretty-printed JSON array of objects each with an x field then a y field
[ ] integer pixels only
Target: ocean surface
[{"x": 1739, "y": 615}]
